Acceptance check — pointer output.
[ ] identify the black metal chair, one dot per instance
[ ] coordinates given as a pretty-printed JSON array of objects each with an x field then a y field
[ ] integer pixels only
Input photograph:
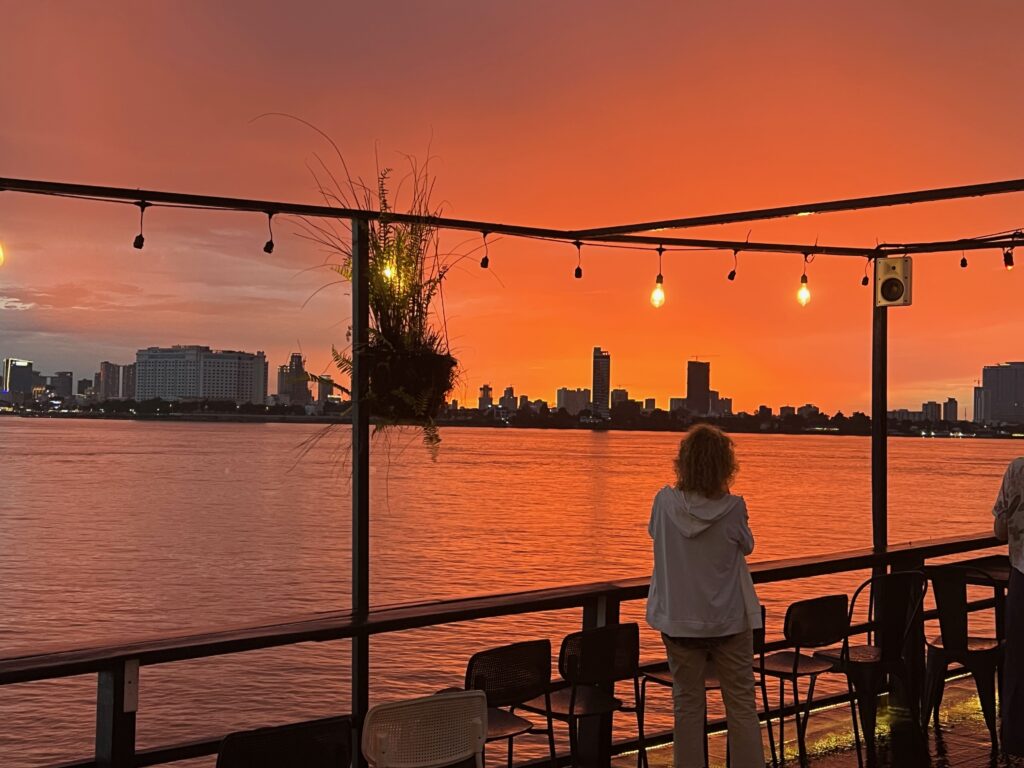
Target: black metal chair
[
  {"x": 809, "y": 624},
  {"x": 591, "y": 662},
  {"x": 660, "y": 675},
  {"x": 511, "y": 675},
  {"x": 895, "y": 603},
  {"x": 981, "y": 656},
  {"x": 323, "y": 743}
]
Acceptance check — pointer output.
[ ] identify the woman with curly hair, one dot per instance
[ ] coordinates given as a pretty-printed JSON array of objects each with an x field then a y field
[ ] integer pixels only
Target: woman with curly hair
[{"x": 702, "y": 598}]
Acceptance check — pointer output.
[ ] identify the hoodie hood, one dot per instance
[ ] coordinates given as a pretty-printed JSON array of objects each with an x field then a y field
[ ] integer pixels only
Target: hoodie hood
[{"x": 692, "y": 513}]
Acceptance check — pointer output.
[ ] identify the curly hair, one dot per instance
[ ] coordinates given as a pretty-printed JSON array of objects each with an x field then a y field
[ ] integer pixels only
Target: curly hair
[{"x": 706, "y": 463}]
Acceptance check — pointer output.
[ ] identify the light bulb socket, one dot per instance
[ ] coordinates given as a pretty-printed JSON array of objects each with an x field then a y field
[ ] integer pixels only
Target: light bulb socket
[
  {"x": 139, "y": 241},
  {"x": 732, "y": 274},
  {"x": 659, "y": 279},
  {"x": 268, "y": 247},
  {"x": 485, "y": 262},
  {"x": 578, "y": 273},
  {"x": 803, "y": 279},
  {"x": 1008, "y": 258}
]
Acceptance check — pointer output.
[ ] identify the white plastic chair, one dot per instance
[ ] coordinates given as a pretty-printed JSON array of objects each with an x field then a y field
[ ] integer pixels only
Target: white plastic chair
[{"x": 428, "y": 732}]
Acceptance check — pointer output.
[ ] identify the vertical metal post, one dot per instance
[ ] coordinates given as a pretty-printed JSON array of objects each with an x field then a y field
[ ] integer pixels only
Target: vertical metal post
[
  {"x": 117, "y": 700},
  {"x": 879, "y": 430},
  {"x": 360, "y": 475}
]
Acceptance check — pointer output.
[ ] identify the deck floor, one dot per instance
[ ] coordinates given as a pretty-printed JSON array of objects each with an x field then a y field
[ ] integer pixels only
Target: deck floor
[{"x": 962, "y": 740}]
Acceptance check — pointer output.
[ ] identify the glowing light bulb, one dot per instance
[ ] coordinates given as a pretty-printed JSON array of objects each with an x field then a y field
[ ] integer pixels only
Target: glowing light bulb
[
  {"x": 1, "y": 255},
  {"x": 658, "y": 294},
  {"x": 1008, "y": 259},
  {"x": 804, "y": 294},
  {"x": 388, "y": 272}
]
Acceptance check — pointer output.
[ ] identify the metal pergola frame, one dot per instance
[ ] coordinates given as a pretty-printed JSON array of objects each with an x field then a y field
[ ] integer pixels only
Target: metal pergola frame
[{"x": 629, "y": 234}]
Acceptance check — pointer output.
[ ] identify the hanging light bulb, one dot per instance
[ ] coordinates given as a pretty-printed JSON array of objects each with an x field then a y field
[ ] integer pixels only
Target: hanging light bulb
[
  {"x": 268, "y": 247},
  {"x": 804, "y": 294},
  {"x": 735, "y": 263},
  {"x": 389, "y": 272},
  {"x": 578, "y": 274},
  {"x": 1008, "y": 259},
  {"x": 864, "y": 280},
  {"x": 658, "y": 294},
  {"x": 963, "y": 261},
  {"x": 486, "y": 260},
  {"x": 139, "y": 240},
  {"x": 1, "y": 255}
]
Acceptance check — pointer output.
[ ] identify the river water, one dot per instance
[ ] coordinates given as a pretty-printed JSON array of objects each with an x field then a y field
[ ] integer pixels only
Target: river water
[{"x": 114, "y": 530}]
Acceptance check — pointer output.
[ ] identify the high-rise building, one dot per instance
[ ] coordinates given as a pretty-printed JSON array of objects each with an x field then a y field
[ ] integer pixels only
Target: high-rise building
[
  {"x": 18, "y": 377},
  {"x": 572, "y": 400},
  {"x": 950, "y": 410},
  {"x": 1004, "y": 388},
  {"x": 324, "y": 389},
  {"x": 932, "y": 411},
  {"x": 619, "y": 396},
  {"x": 198, "y": 373},
  {"x": 486, "y": 401},
  {"x": 787, "y": 411},
  {"x": 128, "y": 379},
  {"x": 982, "y": 405},
  {"x": 293, "y": 381},
  {"x": 676, "y": 404},
  {"x": 62, "y": 383},
  {"x": 698, "y": 387},
  {"x": 84, "y": 385},
  {"x": 602, "y": 381},
  {"x": 507, "y": 401},
  {"x": 110, "y": 381},
  {"x": 524, "y": 402}
]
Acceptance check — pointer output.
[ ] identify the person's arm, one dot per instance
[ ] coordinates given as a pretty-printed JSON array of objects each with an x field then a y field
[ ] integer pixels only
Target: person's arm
[{"x": 745, "y": 537}]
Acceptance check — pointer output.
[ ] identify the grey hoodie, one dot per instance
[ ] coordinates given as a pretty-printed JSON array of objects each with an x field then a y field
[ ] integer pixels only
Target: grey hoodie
[{"x": 701, "y": 586}]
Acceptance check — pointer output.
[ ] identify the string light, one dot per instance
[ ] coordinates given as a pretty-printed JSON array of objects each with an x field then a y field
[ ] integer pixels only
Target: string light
[
  {"x": 804, "y": 294},
  {"x": 864, "y": 280},
  {"x": 579, "y": 260},
  {"x": 268, "y": 247},
  {"x": 1008, "y": 259},
  {"x": 658, "y": 294},
  {"x": 486, "y": 260},
  {"x": 1, "y": 254},
  {"x": 735, "y": 263},
  {"x": 963, "y": 260},
  {"x": 140, "y": 240}
]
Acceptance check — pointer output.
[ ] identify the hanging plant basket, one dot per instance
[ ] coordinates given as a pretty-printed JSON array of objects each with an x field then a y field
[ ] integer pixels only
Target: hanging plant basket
[{"x": 409, "y": 387}]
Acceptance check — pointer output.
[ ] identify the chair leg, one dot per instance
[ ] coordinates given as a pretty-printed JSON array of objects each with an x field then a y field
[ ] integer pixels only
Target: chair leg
[
  {"x": 801, "y": 721},
  {"x": 865, "y": 684},
  {"x": 551, "y": 731},
  {"x": 782, "y": 721},
  {"x": 573, "y": 738},
  {"x": 639, "y": 694},
  {"x": 768, "y": 722},
  {"x": 984, "y": 674},
  {"x": 853, "y": 715},
  {"x": 510, "y": 740},
  {"x": 936, "y": 675}
]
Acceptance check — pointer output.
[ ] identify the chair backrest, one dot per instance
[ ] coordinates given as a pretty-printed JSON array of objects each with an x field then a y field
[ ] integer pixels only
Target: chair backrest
[
  {"x": 895, "y": 603},
  {"x": 601, "y": 655},
  {"x": 428, "y": 732},
  {"x": 511, "y": 674},
  {"x": 817, "y": 622},
  {"x": 949, "y": 584},
  {"x": 323, "y": 743}
]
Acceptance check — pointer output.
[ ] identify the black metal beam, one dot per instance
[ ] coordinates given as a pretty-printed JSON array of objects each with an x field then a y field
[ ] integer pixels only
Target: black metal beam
[
  {"x": 831, "y": 206},
  {"x": 879, "y": 428}
]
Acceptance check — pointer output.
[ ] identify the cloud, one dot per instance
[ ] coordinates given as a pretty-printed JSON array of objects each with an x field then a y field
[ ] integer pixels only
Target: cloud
[{"x": 15, "y": 304}]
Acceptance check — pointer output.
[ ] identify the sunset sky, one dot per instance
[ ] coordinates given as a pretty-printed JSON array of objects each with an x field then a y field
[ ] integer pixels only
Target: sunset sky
[{"x": 565, "y": 114}]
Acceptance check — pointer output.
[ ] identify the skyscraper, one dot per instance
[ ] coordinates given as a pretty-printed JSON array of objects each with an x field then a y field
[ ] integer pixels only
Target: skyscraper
[
  {"x": 602, "y": 382},
  {"x": 128, "y": 379},
  {"x": 485, "y": 401},
  {"x": 982, "y": 405},
  {"x": 62, "y": 383},
  {"x": 110, "y": 381},
  {"x": 194, "y": 372},
  {"x": 932, "y": 411},
  {"x": 324, "y": 389},
  {"x": 572, "y": 400},
  {"x": 950, "y": 410},
  {"x": 18, "y": 378},
  {"x": 296, "y": 380},
  {"x": 698, "y": 387},
  {"x": 1003, "y": 386},
  {"x": 84, "y": 385}
]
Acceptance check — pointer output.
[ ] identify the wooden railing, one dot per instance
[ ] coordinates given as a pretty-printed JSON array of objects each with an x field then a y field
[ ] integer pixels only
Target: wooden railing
[{"x": 117, "y": 666}]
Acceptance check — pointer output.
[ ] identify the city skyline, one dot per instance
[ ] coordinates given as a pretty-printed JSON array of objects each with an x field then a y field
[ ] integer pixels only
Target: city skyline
[{"x": 73, "y": 291}]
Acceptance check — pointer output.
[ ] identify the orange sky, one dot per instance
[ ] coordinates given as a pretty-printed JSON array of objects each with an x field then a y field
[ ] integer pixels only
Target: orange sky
[{"x": 568, "y": 114}]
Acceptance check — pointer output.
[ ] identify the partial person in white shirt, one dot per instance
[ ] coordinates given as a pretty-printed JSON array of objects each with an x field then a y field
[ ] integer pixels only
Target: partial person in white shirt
[
  {"x": 1009, "y": 526},
  {"x": 702, "y": 598}
]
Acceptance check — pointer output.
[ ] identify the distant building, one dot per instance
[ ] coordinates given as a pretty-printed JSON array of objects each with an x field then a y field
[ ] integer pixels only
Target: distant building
[
  {"x": 982, "y": 405},
  {"x": 1004, "y": 393},
  {"x": 572, "y": 400},
  {"x": 507, "y": 401},
  {"x": 324, "y": 389},
  {"x": 650, "y": 404},
  {"x": 524, "y": 401},
  {"x": 485, "y": 402},
  {"x": 787, "y": 411},
  {"x": 950, "y": 411},
  {"x": 128, "y": 380},
  {"x": 808, "y": 410},
  {"x": 110, "y": 381},
  {"x": 602, "y": 376},
  {"x": 764, "y": 411},
  {"x": 84, "y": 385},
  {"x": 932, "y": 411},
  {"x": 725, "y": 406},
  {"x": 18, "y": 378},
  {"x": 619, "y": 396},
  {"x": 698, "y": 387},
  {"x": 676, "y": 404},
  {"x": 62, "y": 384},
  {"x": 293, "y": 381},
  {"x": 199, "y": 373}
]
